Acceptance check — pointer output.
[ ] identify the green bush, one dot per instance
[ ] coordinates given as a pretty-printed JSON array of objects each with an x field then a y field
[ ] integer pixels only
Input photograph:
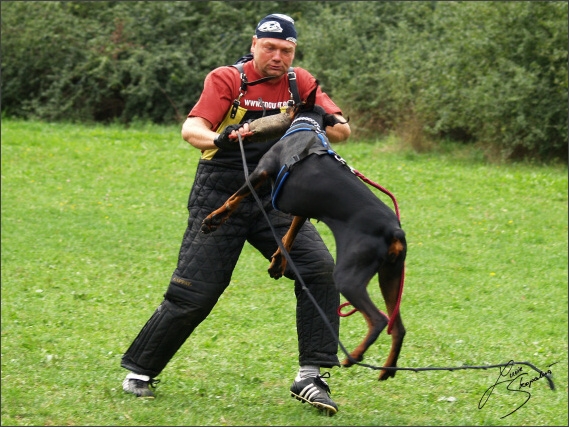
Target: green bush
[
  {"x": 103, "y": 61},
  {"x": 504, "y": 73},
  {"x": 490, "y": 73}
]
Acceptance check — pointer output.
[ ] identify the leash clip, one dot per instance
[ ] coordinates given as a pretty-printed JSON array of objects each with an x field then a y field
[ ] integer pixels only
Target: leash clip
[{"x": 342, "y": 161}]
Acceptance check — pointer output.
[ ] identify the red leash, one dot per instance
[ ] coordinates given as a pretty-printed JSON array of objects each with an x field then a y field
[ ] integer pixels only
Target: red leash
[
  {"x": 379, "y": 187},
  {"x": 396, "y": 311}
]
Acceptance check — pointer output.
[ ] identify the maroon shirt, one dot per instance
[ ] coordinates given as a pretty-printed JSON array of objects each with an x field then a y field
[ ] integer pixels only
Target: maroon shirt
[{"x": 221, "y": 87}]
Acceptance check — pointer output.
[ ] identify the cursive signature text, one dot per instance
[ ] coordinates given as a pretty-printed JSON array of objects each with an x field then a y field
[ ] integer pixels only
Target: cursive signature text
[{"x": 517, "y": 381}]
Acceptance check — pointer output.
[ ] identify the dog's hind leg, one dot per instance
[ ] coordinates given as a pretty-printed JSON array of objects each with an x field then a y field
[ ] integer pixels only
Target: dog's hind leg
[
  {"x": 352, "y": 281},
  {"x": 389, "y": 276}
]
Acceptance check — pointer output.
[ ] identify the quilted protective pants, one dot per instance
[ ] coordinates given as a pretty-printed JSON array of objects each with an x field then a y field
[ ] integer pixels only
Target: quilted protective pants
[{"x": 206, "y": 263}]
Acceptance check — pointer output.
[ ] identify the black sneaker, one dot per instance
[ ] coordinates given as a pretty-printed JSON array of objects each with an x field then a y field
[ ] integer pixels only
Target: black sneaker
[
  {"x": 139, "y": 385},
  {"x": 315, "y": 391}
]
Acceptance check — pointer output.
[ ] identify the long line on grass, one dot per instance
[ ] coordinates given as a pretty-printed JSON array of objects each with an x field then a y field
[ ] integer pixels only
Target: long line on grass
[{"x": 329, "y": 325}]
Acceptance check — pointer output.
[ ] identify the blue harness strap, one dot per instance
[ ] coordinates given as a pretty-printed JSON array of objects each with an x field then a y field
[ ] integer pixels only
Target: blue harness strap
[
  {"x": 285, "y": 169},
  {"x": 283, "y": 174}
]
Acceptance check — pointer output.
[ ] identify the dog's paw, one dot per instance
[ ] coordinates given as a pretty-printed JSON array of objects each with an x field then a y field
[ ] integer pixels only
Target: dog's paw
[
  {"x": 209, "y": 224},
  {"x": 275, "y": 273},
  {"x": 351, "y": 361},
  {"x": 206, "y": 229},
  {"x": 277, "y": 267},
  {"x": 385, "y": 375}
]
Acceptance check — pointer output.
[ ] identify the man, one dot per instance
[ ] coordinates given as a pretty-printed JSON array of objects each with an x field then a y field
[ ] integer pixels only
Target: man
[{"x": 262, "y": 83}]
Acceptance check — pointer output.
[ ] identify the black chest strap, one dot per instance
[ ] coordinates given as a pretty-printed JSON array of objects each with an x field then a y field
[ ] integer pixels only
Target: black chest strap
[{"x": 292, "y": 87}]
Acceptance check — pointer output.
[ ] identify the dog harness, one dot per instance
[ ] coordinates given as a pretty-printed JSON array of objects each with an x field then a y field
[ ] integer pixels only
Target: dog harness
[{"x": 319, "y": 149}]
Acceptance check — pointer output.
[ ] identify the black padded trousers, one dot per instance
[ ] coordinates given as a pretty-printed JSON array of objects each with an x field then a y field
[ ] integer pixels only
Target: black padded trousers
[{"x": 205, "y": 266}]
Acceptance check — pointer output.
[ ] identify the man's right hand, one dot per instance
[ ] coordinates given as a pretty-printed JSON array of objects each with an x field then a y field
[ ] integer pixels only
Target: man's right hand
[{"x": 228, "y": 140}]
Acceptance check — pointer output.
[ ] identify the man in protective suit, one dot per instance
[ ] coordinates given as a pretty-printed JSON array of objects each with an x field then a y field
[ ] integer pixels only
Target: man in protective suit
[{"x": 262, "y": 83}]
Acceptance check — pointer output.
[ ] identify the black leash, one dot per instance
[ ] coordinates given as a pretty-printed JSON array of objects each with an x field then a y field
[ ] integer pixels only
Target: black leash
[{"x": 329, "y": 325}]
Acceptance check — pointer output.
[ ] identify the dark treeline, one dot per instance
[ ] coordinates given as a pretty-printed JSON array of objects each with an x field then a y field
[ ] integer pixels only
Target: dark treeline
[{"x": 490, "y": 73}]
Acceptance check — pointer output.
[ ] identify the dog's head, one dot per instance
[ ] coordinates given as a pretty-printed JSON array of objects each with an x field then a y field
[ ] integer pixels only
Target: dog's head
[{"x": 309, "y": 108}]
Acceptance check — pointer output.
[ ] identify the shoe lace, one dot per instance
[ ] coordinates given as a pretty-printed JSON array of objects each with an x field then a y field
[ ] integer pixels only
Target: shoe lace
[
  {"x": 319, "y": 381},
  {"x": 152, "y": 383}
]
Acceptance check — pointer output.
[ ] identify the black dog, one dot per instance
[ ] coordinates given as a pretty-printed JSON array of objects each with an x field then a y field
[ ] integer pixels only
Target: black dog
[{"x": 368, "y": 235}]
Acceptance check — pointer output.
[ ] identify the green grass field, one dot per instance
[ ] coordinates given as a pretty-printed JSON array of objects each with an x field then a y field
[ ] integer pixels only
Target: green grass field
[{"x": 92, "y": 219}]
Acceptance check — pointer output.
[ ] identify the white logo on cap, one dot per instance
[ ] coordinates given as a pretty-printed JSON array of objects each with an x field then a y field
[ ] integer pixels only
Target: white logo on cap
[{"x": 271, "y": 27}]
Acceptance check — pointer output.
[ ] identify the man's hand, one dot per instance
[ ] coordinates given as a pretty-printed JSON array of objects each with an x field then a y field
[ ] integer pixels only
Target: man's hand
[{"x": 228, "y": 140}]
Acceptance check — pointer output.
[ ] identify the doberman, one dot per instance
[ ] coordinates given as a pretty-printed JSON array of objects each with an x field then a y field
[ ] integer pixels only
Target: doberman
[{"x": 367, "y": 232}]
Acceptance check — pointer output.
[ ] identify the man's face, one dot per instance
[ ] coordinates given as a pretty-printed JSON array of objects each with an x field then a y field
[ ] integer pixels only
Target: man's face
[{"x": 273, "y": 57}]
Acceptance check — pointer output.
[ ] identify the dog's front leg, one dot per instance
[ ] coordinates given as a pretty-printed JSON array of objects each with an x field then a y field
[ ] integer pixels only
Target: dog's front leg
[
  {"x": 222, "y": 214},
  {"x": 278, "y": 263}
]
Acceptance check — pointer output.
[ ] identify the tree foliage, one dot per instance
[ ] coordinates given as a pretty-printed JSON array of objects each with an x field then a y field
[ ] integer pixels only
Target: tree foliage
[{"x": 492, "y": 73}]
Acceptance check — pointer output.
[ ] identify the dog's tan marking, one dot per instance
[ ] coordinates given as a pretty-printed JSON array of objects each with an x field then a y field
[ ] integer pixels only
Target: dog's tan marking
[{"x": 395, "y": 248}]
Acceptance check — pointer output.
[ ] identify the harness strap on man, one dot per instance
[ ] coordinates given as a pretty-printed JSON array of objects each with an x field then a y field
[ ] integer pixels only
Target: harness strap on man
[{"x": 293, "y": 88}]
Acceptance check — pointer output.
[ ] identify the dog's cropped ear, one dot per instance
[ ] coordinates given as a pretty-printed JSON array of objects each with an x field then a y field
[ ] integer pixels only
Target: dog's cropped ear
[
  {"x": 306, "y": 105},
  {"x": 311, "y": 100}
]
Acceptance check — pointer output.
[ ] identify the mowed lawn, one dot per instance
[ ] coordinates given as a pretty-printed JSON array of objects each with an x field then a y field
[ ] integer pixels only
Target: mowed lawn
[{"x": 92, "y": 219}]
